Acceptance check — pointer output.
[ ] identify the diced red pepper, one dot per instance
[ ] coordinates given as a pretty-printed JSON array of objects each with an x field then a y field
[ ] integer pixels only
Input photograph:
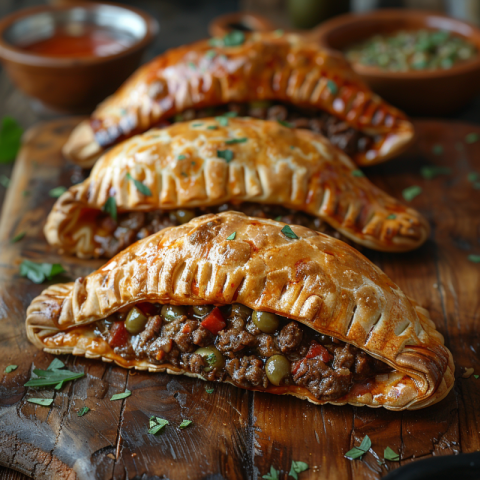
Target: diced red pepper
[
  {"x": 147, "y": 308},
  {"x": 118, "y": 334},
  {"x": 214, "y": 322},
  {"x": 186, "y": 328},
  {"x": 297, "y": 365},
  {"x": 317, "y": 350}
]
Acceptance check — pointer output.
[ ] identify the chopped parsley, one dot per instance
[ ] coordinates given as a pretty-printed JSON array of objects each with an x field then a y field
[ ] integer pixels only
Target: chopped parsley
[
  {"x": 472, "y": 137},
  {"x": 185, "y": 423},
  {"x": 56, "y": 364},
  {"x": 18, "y": 237},
  {"x": 83, "y": 411},
  {"x": 44, "y": 402},
  {"x": 235, "y": 140},
  {"x": 212, "y": 127},
  {"x": 211, "y": 359},
  {"x": 10, "y": 139},
  {"x": 289, "y": 233},
  {"x": 121, "y": 396},
  {"x": 210, "y": 54},
  {"x": 389, "y": 454},
  {"x": 285, "y": 123},
  {"x": 156, "y": 424},
  {"x": 181, "y": 157},
  {"x": 472, "y": 176},
  {"x": 437, "y": 149},
  {"x": 209, "y": 389},
  {"x": 392, "y": 216},
  {"x": 474, "y": 258},
  {"x": 197, "y": 124},
  {"x": 11, "y": 368},
  {"x": 140, "y": 186},
  {"x": 279, "y": 32},
  {"x": 110, "y": 207},
  {"x": 232, "y": 236},
  {"x": 4, "y": 181},
  {"x": 475, "y": 377},
  {"x": 362, "y": 449},
  {"x": 223, "y": 121},
  {"x": 192, "y": 65},
  {"x": 411, "y": 192},
  {"x": 39, "y": 272},
  {"x": 53, "y": 375},
  {"x": 234, "y": 38},
  {"x": 227, "y": 155},
  {"x": 332, "y": 86},
  {"x": 273, "y": 475},
  {"x": 433, "y": 171},
  {"x": 297, "y": 467},
  {"x": 57, "y": 191},
  {"x": 358, "y": 173}
]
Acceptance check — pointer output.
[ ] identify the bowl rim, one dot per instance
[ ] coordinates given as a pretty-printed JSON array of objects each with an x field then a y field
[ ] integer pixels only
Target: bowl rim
[
  {"x": 11, "y": 53},
  {"x": 385, "y": 15}
]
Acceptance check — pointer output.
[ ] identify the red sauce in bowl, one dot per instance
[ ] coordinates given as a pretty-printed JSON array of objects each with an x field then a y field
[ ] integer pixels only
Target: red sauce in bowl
[{"x": 83, "y": 41}]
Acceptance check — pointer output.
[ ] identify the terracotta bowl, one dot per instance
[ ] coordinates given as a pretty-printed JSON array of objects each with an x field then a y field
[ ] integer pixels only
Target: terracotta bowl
[
  {"x": 72, "y": 84},
  {"x": 427, "y": 92}
]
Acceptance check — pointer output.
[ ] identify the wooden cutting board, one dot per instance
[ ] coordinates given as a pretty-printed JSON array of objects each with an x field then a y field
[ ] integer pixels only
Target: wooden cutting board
[{"x": 235, "y": 433}]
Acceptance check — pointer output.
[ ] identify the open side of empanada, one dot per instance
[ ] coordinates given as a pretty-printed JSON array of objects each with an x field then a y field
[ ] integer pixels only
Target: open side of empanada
[
  {"x": 300, "y": 314},
  {"x": 268, "y": 76},
  {"x": 260, "y": 167}
]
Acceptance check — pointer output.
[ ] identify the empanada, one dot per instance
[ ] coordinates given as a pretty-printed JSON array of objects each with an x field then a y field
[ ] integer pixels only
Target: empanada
[
  {"x": 327, "y": 325},
  {"x": 202, "y": 165},
  {"x": 266, "y": 75}
]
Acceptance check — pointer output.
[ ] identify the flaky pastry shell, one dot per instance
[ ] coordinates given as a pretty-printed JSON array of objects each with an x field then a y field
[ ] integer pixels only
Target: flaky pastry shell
[
  {"x": 271, "y": 164},
  {"x": 314, "y": 279},
  {"x": 266, "y": 66}
]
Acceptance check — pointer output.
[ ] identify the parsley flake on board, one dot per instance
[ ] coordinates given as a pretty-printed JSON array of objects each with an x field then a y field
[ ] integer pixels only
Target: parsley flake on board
[
  {"x": 475, "y": 377},
  {"x": 232, "y": 236},
  {"x": 289, "y": 233},
  {"x": 140, "y": 186},
  {"x": 227, "y": 155},
  {"x": 392, "y": 216},
  {"x": 83, "y": 411},
  {"x": 362, "y": 449},
  {"x": 273, "y": 475},
  {"x": 197, "y": 124},
  {"x": 44, "y": 402},
  {"x": 18, "y": 237},
  {"x": 433, "y": 171},
  {"x": 285, "y": 123},
  {"x": 212, "y": 127},
  {"x": 57, "y": 192},
  {"x": 11, "y": 368},
  {"x": 473, "y": 176},
  {"x": 437, "y": 149},
  {"x": 389, "y": 454},
  {"x": 10, "y": 139},
  {"x": 411, "y": 192},
  {"x": 297, "y": 467},
  {"x": 474, "y": 258},
  {"x": 4, "y": 181},
  {"x": 185, "y": 424},
  {"x": 39, "y": 272},
  {"x": 222, "y": 121},
  {"x": 235, "y": 140},
  {"x": 358, "y": 173},
  {"x": 53, "y": 375},
  {"x": 156, "y": 424},
  {"x": 332, "y": 86},
  {"x": 472, "y": 137},
  {"x": 121, "y": 396},
  {"x": 209, "y": 389}
]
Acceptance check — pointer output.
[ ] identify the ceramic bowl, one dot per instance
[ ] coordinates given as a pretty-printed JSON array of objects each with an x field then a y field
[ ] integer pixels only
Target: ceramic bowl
[
  {"x": 72, "y": 84},
  {"x": 426, "y": 92}
]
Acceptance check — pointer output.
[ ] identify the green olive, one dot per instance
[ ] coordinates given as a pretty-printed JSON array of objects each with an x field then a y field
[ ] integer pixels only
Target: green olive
[
  {"x": 277, "y": 369},
  {"x": 184, "y": 216},
  {"x": 212, "y": 356},
  {"x": 135, "y": 321},
  {"x": 202, "y": 310},
  {"x": 171, "y": 312},
  {"x": 241, "y": 310},
  {"x": 265, "y": 321}
]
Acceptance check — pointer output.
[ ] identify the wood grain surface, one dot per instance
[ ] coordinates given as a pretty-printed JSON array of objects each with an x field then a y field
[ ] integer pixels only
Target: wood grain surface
[{"x": 237, "y": 434}]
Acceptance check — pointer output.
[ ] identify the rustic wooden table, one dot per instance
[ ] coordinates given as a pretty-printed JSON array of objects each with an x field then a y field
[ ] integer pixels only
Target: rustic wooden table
[{"x": 182, "y": 24}]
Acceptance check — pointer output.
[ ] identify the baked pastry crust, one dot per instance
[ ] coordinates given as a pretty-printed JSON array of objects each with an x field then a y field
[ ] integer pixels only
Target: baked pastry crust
[
  {"x": 272, "y": 164},
  {"x": 266, "y": 66},
  {"x": 315, "y": 279}
]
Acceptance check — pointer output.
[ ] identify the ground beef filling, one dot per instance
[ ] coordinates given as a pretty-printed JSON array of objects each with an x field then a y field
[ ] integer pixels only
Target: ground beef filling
[
  {"x": 132, "y": 226},
  {"x": 339, "y": 133},
  {"x": 252, "y": 349}
]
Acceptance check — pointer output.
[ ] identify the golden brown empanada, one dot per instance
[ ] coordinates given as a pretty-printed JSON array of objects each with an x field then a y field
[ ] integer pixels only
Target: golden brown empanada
[
  {"x": 327, "y": 326},
  {"x": 267, "y": 75},
  {"x": 263, "y": 162}
]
